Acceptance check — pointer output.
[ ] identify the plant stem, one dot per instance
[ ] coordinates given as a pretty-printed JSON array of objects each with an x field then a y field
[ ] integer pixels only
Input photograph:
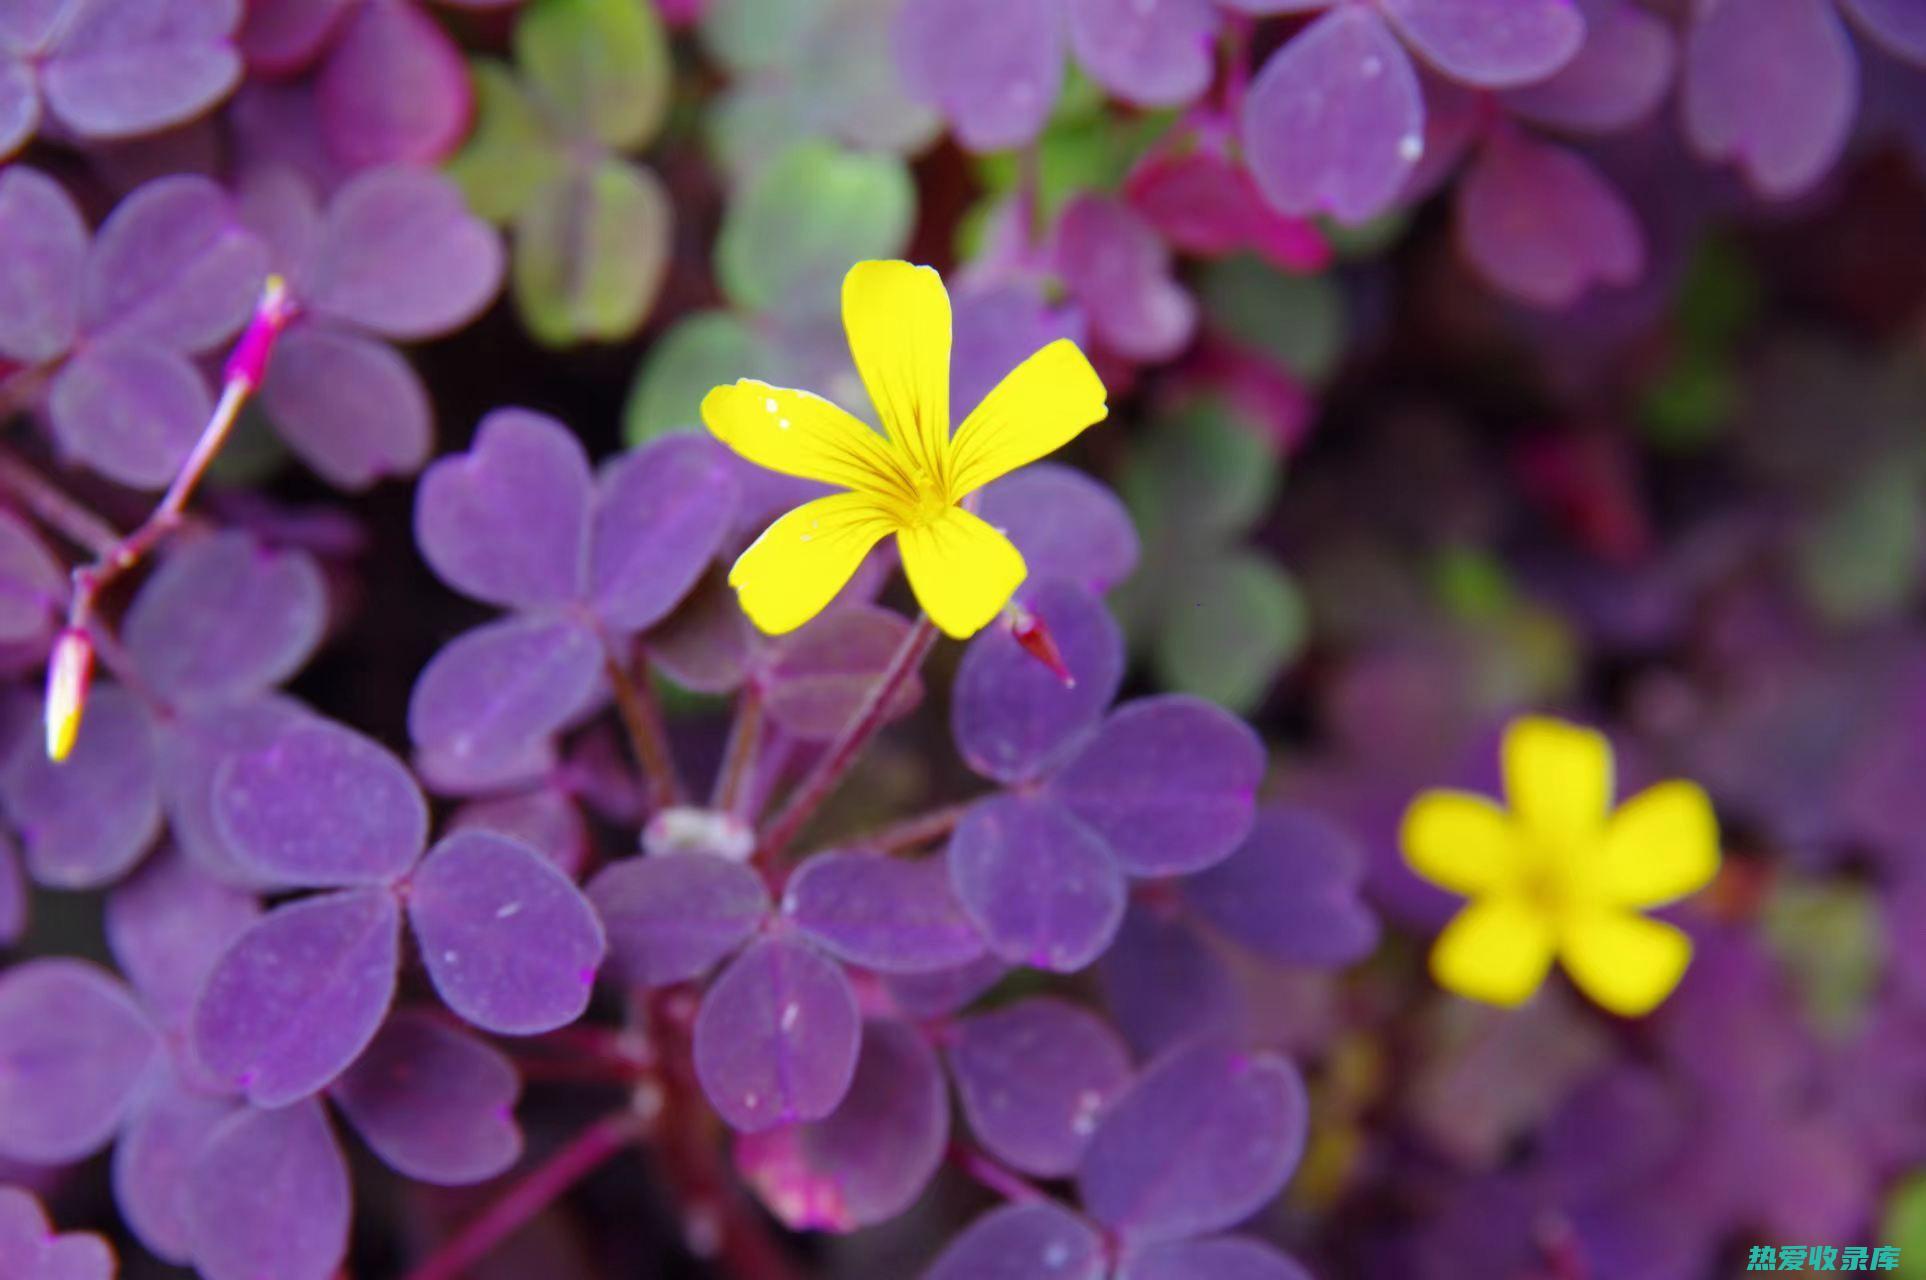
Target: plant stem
[
  {"x": 54, "y": 508},
  {"x": 541, "y": 1187},
  {"x": 911, "y": 832},
  {"x": 642, "y": 720},
  {"x": 823, "y": 779},
  {"x": 739, "y": 758},
  {"x": 1010, "y": 1185}
]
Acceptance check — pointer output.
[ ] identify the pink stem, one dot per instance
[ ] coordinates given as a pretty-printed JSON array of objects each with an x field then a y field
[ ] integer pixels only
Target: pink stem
[
  {"x": 642, "y": 720},
  {"x": 911, "y": 832},
  {"x": 822, "y": 781},
  {"x": 543, "y": 1185},
  {"x": 739, "y": 759},
  {"x": 55, "y": 509},
  {"x": 1005, "y": 1182}
]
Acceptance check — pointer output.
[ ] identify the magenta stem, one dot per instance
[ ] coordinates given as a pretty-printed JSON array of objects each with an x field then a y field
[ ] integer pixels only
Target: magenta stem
[
  {"x": 997, "y": 1177},
  {"x": 543, "y": 1185},
  {"x": 913, "y": 832},
  {"x": 55, "y": 509},
  {"x": 739, "y": 758},
  {"x": 642, "y": 721},
  {"x": 843, "y": 752}
]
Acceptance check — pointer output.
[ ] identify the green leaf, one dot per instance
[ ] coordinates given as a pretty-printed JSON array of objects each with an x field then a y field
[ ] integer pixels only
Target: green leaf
[
  {"x": 590, "y": 254},
  {"x": 510, "y": 154},
  {"x": 703, "y": 351},
  {"x": 1085, "y": 146},
  {"x": 1830, "y": 938},
  {"x": 755, "y": 35},
  {"x": 1473, "y": 584},
  {"x": 601, "y": 65},
  {"x": 1199, "y": 477},
  {"x": 1860, "y": 559},
  {"x": 1297, "y": 320},
  {"x": 1903, "y": 1224},
  {"x": 804, "y": 220},
  {"x": 1231, "y": 626}
]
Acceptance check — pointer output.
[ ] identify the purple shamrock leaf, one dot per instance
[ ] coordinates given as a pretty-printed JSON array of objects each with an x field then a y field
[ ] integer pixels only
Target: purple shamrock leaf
[
  {"x": 1334, "y": 123},
  {"x": 129, "y": 410},
  {"x": 546, "y": 819},
  {"x": 944, "y": 991},
  {"x": 993, "y": 70},
  {"x": 113, "y": 71},
  {"x": 181, "y": 632},
  {"x": 490, "y": 692},
  {"x": 1033, "y": 1078},
  {"x": 33, "y": 587},
  {"x": 1218, "y": 1258},
  {"x": 661, "y": 514},
  {"x": 268, "y": 1195},
  {"x": 295, "y": 999},
  {"x": 1067, "y": 525},
  {"x": 1152, "y": 53},
  {"x": 1041, "y": 885},
  {"x": 671, "y": 917},
  {"x": 1014, "y": 718},
  {"x": 1024, "y": 1242},
  {"x": 316, "y": 803},
  {"x": 1164, "y": 983},
  {"x": 394, "y": 88},
  {"x": 1290, "y": 892},
  {"x": 777, "y": 1036},
  {"x": 1203, "y": 1138},
  {"x": 1619, "y": 77},
  {"x": 85, "y": 822},
  {"x": 1120, "y": 272},
  {"x": 1739, "y": 59},
  {"x": 349, "y": 407},
  {"x": 870, "y": 1158},
  {"x": 75, "y": 1048},
  {"x": 151, "y": 1163},
  {"x": 1170, "y": 782},
  {"x": 174, "y": 266},
  {"x": 435, "y": 1102},
  {"x": 167, "y": 925},
  {"x": 509, "y": 941},
  {"x": 1540, "y": 223},
  {"x": 893, "y": 915},
  {"x": 40, "y": 273},
  {"x": 1492, "y": 44},
  {"x": 34, "y": 1251}
]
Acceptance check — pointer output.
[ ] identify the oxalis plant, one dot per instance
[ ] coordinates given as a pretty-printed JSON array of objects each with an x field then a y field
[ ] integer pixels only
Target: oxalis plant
[{"x": 577, "y": 699}]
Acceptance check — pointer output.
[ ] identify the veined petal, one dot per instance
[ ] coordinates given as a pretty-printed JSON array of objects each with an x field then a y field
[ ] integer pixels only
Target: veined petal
[
  {"x": 797, "y": 566},
  {"x": 1461, "y": 842},
  {"x": 1661, "y": 845},
  {"x": 1497, "y": 950},
  {"x": 962, "y": 570},
  {"x": 1040, "y": 406},
  {"x": 898, "y": 319},
  {"x": 1624, "y": 961},
  {"x": 1558, "y": 777},
  {"x": 801, "y": 434}
]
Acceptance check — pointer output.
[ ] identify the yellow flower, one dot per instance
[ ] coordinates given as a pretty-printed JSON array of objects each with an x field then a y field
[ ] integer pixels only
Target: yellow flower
[
  {"x": 1561, "y": 874},
  {"x": 908, "y": 481}
]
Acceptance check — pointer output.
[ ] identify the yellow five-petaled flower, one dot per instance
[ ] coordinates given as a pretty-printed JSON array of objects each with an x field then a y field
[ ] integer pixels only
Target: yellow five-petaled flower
[
  {"x": 909, "y": 481},
  {"x": 1563, "y": 875}
]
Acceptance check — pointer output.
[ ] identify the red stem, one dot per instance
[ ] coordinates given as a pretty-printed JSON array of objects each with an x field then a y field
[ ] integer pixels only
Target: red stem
[
  {"x": 828, "y": 773},
  {"x": 1007, "y": 1183},
  {"x": 739, "y": 759},
  {"x": 642, "y": 720},
  {"x": 55, "y": 509},
  {"x": 912, "y": 832},
  {"x": 542, "y": 1186}
]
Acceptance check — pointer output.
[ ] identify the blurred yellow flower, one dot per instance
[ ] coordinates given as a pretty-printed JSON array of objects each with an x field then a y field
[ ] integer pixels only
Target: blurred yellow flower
[
  {"x": 1562, "y": 874},
  {"x": 908, "y": 481}
]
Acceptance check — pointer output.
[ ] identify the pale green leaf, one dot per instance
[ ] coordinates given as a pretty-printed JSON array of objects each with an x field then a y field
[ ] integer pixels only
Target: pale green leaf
[
  {"x": 804, "y": 220},
  {"x": 601, "y": 65},
  {"x": 1230, "y": 628},
  {"x": 510, "y": 154},
  {"x": 703, "y": 351},
  {"x": 590, "y": 254}
]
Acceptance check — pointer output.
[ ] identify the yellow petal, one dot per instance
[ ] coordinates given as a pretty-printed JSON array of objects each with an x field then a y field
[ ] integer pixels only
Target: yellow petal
[
  {"x": 1040, "y": 406},
  {"x": 898, "y": 319},
  {"x": 1661, "y": 845},
  {"x": 1461, "y": 842},
  {"x": 962, "y": 570},
  {"x": 1624, "y": 961},
  {"x": 801, "y": 434},
  {"x": 1558, "y": 777},
  {"x": 1497, "y": 950},
  {"x": 800, "y": 562}
]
